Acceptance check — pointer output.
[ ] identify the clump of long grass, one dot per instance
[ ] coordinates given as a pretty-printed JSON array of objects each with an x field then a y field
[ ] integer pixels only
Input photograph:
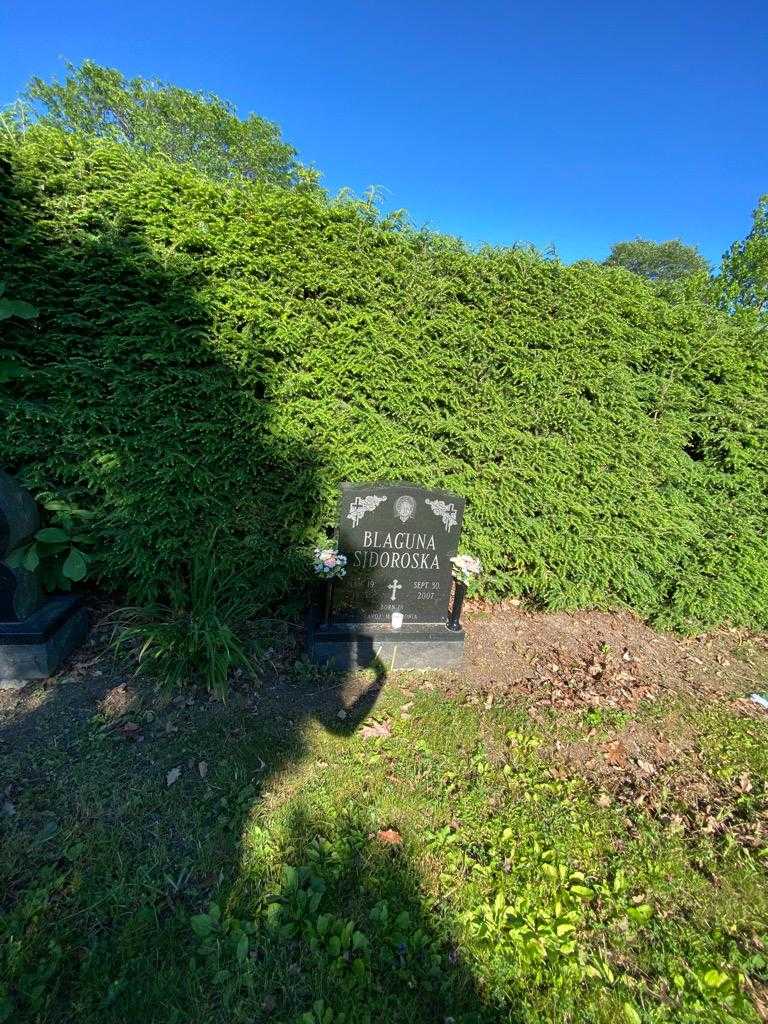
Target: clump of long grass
[{"x": 194, "y": 639}]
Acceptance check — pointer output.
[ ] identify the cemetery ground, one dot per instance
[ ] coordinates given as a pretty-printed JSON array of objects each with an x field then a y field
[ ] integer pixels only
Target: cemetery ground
[{"x": 574, "y": 827}]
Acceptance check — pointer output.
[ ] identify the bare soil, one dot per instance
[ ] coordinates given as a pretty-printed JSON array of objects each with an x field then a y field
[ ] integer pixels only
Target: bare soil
[
  {"x": 644, "y": 691},
  {"x": 593, "y": 659}
]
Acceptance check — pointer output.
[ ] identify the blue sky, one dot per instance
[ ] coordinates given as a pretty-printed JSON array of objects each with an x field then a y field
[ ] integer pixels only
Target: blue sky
[{"x": 573, "y": 124}]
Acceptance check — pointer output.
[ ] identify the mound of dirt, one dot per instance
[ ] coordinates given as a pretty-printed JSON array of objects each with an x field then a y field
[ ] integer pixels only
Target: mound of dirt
[{"x": 592, "y": 659}]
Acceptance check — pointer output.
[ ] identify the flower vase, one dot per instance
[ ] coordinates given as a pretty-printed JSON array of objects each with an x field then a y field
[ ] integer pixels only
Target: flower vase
[
  {"x": 459, "y": 592},
  {"x": 328, "y": 602}
]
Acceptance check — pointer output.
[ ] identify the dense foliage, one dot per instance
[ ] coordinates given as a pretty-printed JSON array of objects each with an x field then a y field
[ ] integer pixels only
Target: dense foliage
[
  {"x": 658, "y": 261},
  {"x": 744, "y": 276},
  {"x": 11, "y": 367},
  {"x": 210, "y": 357},
  {"x": 162, "y": 119}
]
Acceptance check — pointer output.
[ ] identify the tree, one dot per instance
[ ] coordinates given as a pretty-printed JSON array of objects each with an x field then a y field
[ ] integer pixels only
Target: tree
[
  {"x": 657, "y": 261},
  {"x": 743, "y": 280},
  {"x": 155, "y": 117}
]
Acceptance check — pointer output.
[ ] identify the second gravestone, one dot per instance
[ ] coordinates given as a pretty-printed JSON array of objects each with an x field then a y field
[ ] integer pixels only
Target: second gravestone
[
  {"x": 399, "y": 540},
  {"x": 36, "y": 632}
]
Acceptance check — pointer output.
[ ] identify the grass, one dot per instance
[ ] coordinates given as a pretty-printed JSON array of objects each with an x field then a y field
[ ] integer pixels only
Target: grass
[{"x": 255, "y": 888}]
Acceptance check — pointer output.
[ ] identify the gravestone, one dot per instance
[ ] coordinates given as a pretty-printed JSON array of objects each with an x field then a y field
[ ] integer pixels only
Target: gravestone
[
  {"x": 398, "y": 539},
  {"x": 36, "y": 632},
  {"x": 20, "y": 591}
]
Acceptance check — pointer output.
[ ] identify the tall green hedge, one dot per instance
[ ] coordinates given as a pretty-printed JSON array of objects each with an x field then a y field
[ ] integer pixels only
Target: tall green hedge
[{"x": 218, "y": 358}]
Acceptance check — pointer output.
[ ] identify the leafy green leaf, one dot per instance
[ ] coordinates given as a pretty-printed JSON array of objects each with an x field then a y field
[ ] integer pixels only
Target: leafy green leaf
[
  {"x": 202, "y": 925},
  {"x": 15, "y": 307},
  {"x": 75, "y": 566},
  {"x": 631, "y": 1014},
  {"x": 641, "y": 914},
  {"x": 290, "y": 878},
  {"x": 52, "y": 535},
  {"x": 31, "y": 558}
]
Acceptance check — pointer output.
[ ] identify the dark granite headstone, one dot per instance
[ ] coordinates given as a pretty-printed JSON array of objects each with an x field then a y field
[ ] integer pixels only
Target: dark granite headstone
[
  {"x": 398, "y": 539},
  {"x": 36, "y": 633}
]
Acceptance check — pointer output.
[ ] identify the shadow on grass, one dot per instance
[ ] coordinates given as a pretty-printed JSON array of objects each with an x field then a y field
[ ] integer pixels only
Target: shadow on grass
[
  {"x": 349, "y": 927},
  {"x": 108, "y": 873},
  {"x": 107, "y": 865}
]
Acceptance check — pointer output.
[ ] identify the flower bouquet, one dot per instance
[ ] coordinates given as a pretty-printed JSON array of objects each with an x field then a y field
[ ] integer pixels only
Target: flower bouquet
[
  {"x": 466, "y": 568},
  {"x": 329, "y": 564}
]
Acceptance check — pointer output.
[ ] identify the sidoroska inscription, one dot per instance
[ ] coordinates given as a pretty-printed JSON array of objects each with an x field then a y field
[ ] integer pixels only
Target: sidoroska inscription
[{"x": 397, "y": 551}]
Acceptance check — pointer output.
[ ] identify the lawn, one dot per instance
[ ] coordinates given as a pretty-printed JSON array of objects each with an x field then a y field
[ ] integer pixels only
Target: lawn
[{"x": 479, "y": 847}]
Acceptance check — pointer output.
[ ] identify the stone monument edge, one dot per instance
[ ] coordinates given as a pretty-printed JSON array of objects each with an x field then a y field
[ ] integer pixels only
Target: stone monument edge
[{"x": 366, "y": 485}]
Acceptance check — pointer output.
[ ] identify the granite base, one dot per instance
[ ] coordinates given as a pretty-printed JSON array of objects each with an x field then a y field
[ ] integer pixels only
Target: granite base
[
  {"x": 354, "y": 645},
  {"x": 35, "y": 647}
]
